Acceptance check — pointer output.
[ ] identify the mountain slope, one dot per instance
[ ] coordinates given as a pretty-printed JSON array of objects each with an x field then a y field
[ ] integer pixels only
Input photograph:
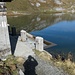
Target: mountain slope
[
  {"x": 41, "y": 5},
  {"x": 19, "y": 5}
]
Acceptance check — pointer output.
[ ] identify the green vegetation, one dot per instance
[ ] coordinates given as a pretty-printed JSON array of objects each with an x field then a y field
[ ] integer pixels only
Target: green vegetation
[
  {"x": 47, "y": 7},
  {"x": 11, "y": 65},
  {"x": 26, "y": 6},
  {"x": 18, "y": 5}
]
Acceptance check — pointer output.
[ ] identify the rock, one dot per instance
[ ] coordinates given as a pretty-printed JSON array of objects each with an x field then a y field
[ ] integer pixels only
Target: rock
[
  {"x": 21, "y": 72},
  {"x": 3, "y": 59}
]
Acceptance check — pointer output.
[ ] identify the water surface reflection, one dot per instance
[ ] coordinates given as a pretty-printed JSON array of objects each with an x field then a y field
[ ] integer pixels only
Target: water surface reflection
[
  {"x": 38, "y": 21},
  {"x": 59, "y": 29}
]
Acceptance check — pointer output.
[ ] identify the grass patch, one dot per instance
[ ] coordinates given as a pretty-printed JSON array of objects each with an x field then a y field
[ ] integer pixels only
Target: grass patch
[
  {"x": 66, "y": 64},
  {"x": 11, "y": 65},
  {"x": 43, "y": 55}
]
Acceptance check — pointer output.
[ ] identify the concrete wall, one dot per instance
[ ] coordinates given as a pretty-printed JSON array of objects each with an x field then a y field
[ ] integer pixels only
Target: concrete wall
[{"x": 4, "y": 36}]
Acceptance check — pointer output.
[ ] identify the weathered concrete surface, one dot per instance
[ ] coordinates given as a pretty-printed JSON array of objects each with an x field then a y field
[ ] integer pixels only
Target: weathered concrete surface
[
  {"x": 4, "y": 36},
  {"x": 47, "y": 68},
  {"x": 27, "y": 42},
  {"x": 24, "y": 49},
  {"x": 43, "y": 67}
]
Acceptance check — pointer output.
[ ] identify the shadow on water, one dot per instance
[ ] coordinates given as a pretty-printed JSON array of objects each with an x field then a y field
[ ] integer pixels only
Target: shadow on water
[{"x": 29, "y": 66}]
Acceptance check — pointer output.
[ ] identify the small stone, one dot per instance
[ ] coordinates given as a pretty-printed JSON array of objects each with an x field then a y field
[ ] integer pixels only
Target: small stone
[
  {"x": 21, "y": 72},
  {"x": 3, "y": 59}
]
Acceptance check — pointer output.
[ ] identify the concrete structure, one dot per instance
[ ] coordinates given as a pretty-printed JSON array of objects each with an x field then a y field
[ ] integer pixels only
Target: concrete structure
[
  {"x": 4, "y": 37},
  {"x": 23, "y": 35},
  {"x": 5, "y": 48},
  {"x": 26, "y": 43},
  {"x": 39, "y": 43},
  {"x": 29, "y": 35},
  {"x": 2, "y": 7},
  {"x": 23, "y": 48}
]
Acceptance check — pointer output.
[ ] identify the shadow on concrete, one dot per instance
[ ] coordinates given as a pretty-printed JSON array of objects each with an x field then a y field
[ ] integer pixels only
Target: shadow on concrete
[{"x": 29, "y": 66}]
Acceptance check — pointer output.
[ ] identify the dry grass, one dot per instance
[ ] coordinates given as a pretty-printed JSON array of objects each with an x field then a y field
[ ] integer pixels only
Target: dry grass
[
  {"x": 43, "y": 55},
  {"x": 67, "y": 66}
]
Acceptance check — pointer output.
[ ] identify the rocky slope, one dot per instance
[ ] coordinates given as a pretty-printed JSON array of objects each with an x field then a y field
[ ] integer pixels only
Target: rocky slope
[{"x": 42, "y": 5}]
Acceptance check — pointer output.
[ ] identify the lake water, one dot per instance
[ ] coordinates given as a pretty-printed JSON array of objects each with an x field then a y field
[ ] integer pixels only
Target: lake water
[{"x": 57, "y": 28}]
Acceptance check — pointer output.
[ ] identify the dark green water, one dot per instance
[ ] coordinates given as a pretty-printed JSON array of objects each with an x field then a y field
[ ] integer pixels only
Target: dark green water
[{"x": 57, "y": 28}]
